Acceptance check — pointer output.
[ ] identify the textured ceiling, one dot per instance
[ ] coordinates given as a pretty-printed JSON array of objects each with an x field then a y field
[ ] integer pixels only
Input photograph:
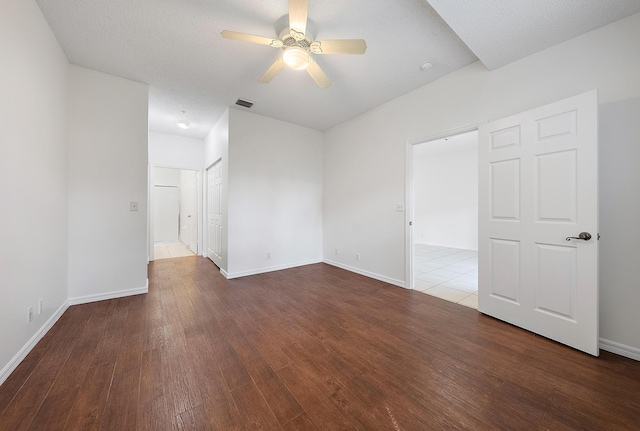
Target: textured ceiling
[
  {"x": 176, "y": 48},
  {"x": 502, "y": 31}
]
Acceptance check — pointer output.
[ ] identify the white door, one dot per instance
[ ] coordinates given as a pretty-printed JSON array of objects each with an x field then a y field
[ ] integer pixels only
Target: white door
[
  {"x": 166, "y": 211},
  {"x": 189, "y": 209},
  {"x": 538, "y": 178},
  {"x": 214, "y": 213}
]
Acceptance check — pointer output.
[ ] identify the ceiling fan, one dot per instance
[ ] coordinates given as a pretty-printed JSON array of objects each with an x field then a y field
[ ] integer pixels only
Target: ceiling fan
[{"x": 298, "y": 46}]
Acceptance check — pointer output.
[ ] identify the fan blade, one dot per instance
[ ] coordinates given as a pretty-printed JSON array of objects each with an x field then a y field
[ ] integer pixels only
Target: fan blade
[
  {"x": 228, "y": 34},
  {"x": 272, "y": 71},
  {"x": 339, "y": 46},
  {"x": 318, "y": 75},
  {"x": 298, "y": 11}
]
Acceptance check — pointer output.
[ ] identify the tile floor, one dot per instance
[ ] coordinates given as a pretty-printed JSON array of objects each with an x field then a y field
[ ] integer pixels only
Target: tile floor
[
  {"x": 167, "y": 250},
  {"x": 448, "y": 273}
]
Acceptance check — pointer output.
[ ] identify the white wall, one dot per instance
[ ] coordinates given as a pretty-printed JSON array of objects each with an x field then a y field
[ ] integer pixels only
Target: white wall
[
  {"x": 364, "y": 158},
  {"x": 173, "y": 151},
  {"x": 108, "y": 159},
  {"x": 166, "y": 212},
  {"x": 619, "y": 216},
  {"x": 275, "y": 194},
  {"x": 166, "y": 177},
  {"x": 33, "y": 178},
  {"x": 446, "y": 199}
]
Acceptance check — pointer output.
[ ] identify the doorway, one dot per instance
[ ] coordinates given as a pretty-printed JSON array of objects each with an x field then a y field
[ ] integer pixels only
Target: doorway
[
  {"x": 444, "y": 178},
  {"x": 174, "y": 213}
]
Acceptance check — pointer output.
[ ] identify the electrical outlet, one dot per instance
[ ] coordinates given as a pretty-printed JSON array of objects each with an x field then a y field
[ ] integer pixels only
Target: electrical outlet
[
  {"x": 268, "y": 255},
  {"x": 30, "y": 311},
  {"x": 40, "y": 306},
  {"x": 336, "y": 251},
  {"x": 357, "y": 256}
]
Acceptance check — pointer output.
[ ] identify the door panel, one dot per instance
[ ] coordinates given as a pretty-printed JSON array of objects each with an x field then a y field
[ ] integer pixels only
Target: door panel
[
  {"x": 505, "y": 270},
  {"x": 214, "y": 213},
  {"x": 538, "y": 186},
  {"x": 505, "y": 190}
]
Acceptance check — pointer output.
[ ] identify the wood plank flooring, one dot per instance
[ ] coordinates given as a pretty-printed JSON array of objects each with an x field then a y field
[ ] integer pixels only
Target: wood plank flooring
[{"x": 311, "y": 348}]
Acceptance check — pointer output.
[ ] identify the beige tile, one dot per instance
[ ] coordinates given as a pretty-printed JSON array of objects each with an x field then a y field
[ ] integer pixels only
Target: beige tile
[
  {"x": 442, "y": 272},
  {"x": 461, "y": 285},
  {"x": 160, "y": 251},
  {"x": 447, "y": 293},
  {"x": 470, "y": 301},
  {"x": 431, "y": 278},
  {"x": 422, "y": 285},
  {"x": 469, "y": 278},
  {"x": 178, "y": 249}
]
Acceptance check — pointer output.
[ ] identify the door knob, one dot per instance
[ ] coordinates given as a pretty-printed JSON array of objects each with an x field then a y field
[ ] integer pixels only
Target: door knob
[{"x": 586, "y": 236}]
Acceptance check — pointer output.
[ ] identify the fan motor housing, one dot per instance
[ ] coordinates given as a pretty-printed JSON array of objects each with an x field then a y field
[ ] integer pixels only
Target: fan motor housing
[
  {"x": 284, "y": 33},
  {"x": 288, "y": 40}
]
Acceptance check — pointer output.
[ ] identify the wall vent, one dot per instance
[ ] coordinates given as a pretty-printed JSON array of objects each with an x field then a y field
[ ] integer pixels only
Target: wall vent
[{"x": 245, "y": 103}]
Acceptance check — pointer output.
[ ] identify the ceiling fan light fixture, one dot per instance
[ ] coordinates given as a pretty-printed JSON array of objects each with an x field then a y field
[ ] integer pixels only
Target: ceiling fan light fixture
[{"x": 296, "y": 58}]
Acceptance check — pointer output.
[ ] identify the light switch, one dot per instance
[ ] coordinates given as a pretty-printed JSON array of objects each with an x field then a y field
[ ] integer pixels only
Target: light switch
[
  {"x": 133, "y": 206},
  {"x": 400, "y": 207}
]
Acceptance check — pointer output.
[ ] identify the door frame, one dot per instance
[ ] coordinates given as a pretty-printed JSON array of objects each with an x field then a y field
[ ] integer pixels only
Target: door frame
[
  {"x": 409, "y": 199},
  {"x": 150, "y": 203}
]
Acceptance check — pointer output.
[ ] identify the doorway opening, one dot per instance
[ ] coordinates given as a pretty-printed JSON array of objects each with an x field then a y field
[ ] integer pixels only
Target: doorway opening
[
  {"x": 444, "y": 219},
  {"x": 174, "y": 213}
]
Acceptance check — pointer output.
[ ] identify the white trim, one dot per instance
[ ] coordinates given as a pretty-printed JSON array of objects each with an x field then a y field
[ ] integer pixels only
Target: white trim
[
  {"x": 224, "y": 273},
  {"x": 109, "y": 295},
  {"x": 22, "y": 353},
  {"x": 268, "y": 269},
  {"x": 620, "y": 349},
  {"x": 408, "y": 217},
  {"x": 375, "y": 276},
  {"x": 446, "y": 133}
]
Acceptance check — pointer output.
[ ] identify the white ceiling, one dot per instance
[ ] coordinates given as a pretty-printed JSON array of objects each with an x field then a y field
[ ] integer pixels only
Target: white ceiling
[
  {"x": 501, "y": 31},
  {"x": 176, "y": 48}
]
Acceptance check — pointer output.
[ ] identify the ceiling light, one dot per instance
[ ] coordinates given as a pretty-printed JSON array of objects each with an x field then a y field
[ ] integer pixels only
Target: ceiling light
[
  {"x": 426, "y": 65},
  {"x": 183, "y": 124},
  {"x": 296, "y": 58}
]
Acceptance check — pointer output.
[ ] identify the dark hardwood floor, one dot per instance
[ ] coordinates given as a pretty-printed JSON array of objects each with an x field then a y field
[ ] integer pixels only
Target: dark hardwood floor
[{"x": 311, "y": 348}]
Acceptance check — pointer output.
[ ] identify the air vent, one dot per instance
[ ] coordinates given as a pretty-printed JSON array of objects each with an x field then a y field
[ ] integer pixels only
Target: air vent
[{"x": 245, "y": 103}]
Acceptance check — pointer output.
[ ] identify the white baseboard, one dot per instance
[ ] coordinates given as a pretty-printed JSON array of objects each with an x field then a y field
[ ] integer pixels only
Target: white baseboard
[
  {"x": 109, "y": 295},
  {"x": 620, "y": 349},
  {"x": 19, "y": 357},
  {"x": 268, "y": 269},
  {"x": 224, "y": 274},
  {"x": 373, "y": 275}
]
